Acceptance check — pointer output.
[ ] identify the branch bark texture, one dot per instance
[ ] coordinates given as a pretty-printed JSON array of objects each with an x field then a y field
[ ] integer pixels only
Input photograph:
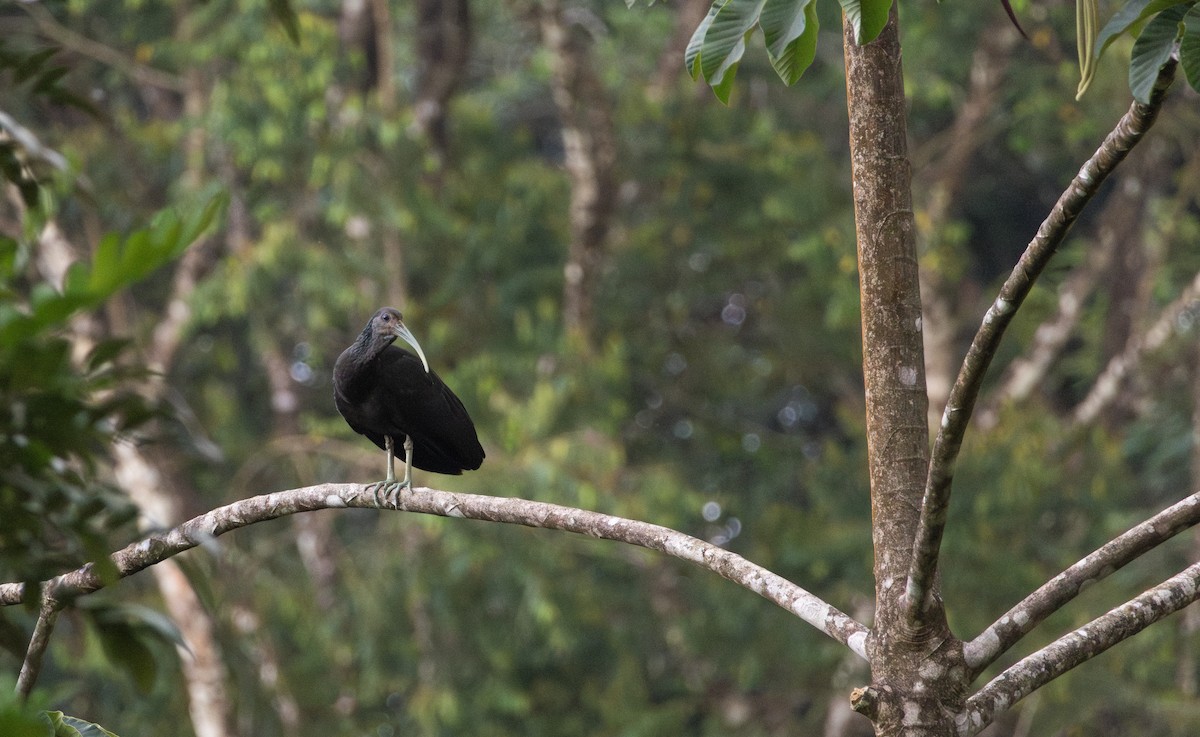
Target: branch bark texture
[
  {"x": 204, "y": 528},
  {"x": 38, "y": 643},
  {"x": 1076, "y": 647},
  {"x": 1052, "y": 596},
  {"x": 916, "y": 670},
  {"x": 1127, "y": 133}
]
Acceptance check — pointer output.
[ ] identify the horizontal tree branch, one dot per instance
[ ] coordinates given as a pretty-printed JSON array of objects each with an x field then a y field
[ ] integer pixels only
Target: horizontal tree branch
[
  {"x": 156, "y": 548},
  {"x": 1060, "y": 656},
  {"x": 1105, "y": 560},
  {"x": 1128, "y": 131}
]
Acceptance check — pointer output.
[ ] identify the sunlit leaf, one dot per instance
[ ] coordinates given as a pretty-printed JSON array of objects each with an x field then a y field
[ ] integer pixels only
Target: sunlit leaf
[
  {"x": 68, "y": 726},
  {"x": 1152, "y": 49}
]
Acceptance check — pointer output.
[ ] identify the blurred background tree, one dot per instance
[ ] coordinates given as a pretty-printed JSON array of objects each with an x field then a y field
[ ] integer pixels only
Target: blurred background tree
[{"x": 648, "y": 302}]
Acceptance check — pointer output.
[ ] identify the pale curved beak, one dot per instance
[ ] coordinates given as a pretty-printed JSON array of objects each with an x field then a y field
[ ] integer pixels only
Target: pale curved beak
[{"x": 401, "y": 330}]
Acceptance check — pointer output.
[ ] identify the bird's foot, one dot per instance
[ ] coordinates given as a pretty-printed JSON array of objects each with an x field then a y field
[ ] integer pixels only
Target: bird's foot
[{"x": 387, "y": 493}]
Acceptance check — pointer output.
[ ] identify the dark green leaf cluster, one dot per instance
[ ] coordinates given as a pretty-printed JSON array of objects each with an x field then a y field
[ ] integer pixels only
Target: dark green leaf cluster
[{"x": 32, "y": 72}]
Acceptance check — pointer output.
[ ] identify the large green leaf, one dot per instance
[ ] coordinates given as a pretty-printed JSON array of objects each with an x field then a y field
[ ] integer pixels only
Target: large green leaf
[
  {"x": 782, "y": 22},
  {"x": 68, "y": 726},
  {"x": 723, "y": 88},
  {"x": 799, "y": 53},
  {"x": 868, "y": 17},
  {"x": 115, "y": 265},
  {"x": 691, "y": 55},
  {"x": 1133, "y": 12},
  {"x": 725, "y": 40},
  {"x": 1152, "y": 49},
  {"x": 1189, "y": 47},
  {"x": 719, "y": 42}
]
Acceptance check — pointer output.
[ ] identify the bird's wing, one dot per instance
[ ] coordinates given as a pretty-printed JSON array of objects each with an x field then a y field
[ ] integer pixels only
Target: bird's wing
[{"x": 421, "y": 406}]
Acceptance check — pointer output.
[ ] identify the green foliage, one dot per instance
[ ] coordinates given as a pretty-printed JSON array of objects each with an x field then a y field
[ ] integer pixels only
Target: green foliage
[
  {"x": 17, "y": 719},
  {"x": 789, "y": 28},
  {"x": 867, "y": 17},
  {"x": 129, "y": 635},
  {"x": 69, "y": 726},
  {"x": 35, "y": 76},
  {"x": 60, "y": 415},
  {"x": 1161, "y": 28},
  {"x": 1153, "y": 48},
  {"x": 722, "y": 397}
]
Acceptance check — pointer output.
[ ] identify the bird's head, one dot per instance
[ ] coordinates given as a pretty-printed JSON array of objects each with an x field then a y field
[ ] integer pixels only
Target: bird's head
[{"x": 387, "y": 325}]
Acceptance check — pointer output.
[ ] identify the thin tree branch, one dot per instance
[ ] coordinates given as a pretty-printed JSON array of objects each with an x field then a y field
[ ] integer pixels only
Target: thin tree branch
[
  {"x": 37, "y": 646},
  {"x": 1109, "y": 383},
  {"x": 1076, "y": 647},
  {"x": 196, "y": 531},
  {"x": 1128, "y": 131},
  {"x": 1110, "y": 557},
  {"x": 59, "y": 33}
]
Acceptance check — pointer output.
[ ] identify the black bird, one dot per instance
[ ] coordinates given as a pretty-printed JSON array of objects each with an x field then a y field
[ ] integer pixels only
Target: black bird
[{"x": 387, "y": 393}]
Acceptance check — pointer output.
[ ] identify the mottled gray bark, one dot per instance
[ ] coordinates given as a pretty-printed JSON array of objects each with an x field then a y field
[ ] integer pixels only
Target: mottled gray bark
[
  {"x": 1033, "y": 610},
  {"x": 162, "y": 546},
  {"x": 1078, "y": 646}
]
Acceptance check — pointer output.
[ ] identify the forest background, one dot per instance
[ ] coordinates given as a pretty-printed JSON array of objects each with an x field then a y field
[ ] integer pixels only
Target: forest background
[{"x": 660, "y": 323}]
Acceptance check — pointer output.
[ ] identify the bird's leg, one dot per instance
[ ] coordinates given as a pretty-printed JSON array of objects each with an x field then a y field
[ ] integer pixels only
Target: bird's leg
[
  {"x": 381, "y": 490},
  {"x": 391, "y": 462},
  {"x": 389, "y": 489},
  {"x": 408, "y": 454}
]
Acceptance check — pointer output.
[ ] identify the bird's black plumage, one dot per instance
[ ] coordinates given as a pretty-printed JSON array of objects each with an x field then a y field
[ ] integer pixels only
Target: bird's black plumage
[{"x": 383, "y": 390}]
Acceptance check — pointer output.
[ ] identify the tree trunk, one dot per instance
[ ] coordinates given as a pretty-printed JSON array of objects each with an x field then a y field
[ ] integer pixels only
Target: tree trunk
[
  {"x": 443, "y": 44},
  {"x": 916, "y": 678},
  {"x": 589, "y": 144}
]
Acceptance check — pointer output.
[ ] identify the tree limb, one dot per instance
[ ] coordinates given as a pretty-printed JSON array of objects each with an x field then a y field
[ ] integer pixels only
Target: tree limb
[
  {"x": 1105, "y": 560},
  {"x": 84, "y": 46},
  {"x": 1128, "y": 131},
  {"x": 38, "y": 643},
  {"x": 1116, "y": 231},
  {"x": 1109, "y": 383},
  {"x": 198, "y": 530},
  {"x": 1074, "y": 648}
]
